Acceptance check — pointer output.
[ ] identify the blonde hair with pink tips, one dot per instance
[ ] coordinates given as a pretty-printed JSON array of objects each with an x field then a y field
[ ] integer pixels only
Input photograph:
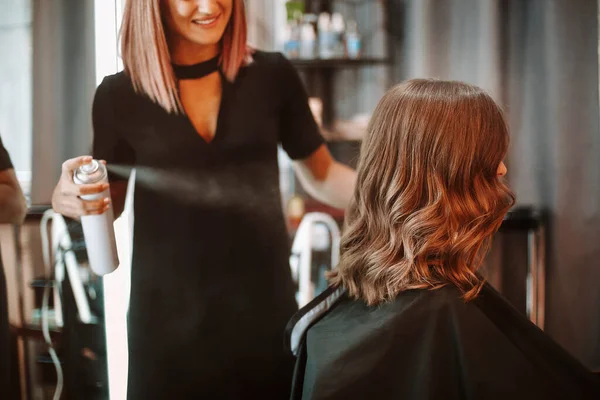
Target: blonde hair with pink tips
[{"x": 146, "y": 56}]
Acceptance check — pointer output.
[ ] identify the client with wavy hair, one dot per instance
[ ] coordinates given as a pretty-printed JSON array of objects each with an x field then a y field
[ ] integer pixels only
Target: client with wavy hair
[{"x": 407, "y": 315}]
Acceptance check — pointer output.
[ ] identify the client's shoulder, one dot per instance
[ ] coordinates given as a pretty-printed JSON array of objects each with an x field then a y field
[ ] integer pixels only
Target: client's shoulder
[
  {"x": 447, "y": 306},
  {"x": 441, "y": 300},
  {"x": 413, "y": 310},
  {"x": 409, "y": 309}
]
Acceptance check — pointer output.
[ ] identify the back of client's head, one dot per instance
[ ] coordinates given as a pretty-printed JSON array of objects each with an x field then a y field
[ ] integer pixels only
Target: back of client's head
[{"x": 428, "y": 197}]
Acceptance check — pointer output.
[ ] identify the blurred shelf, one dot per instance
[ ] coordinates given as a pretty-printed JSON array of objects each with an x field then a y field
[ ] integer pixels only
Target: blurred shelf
[
  {"x": 46, "y": 359},
  {"x": 523, "y": 219},
  {"x": 331, "y": 136},
  {"x": 36, "y": 212},
  {"x": 33, "y": 331},
  {"x": 353, "y": 2},
  {"x": 315, "y": 206},
  {"x": 41, "y": 283},
  {"x": 344, "y": 132},
  {"x": 338, "y": 62}
]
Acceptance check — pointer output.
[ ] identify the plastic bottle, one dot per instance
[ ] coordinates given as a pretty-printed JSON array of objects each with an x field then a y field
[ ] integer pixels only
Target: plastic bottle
[
  {"x": 308, "y": 41},
  {"x": 292, "y": 40},
  {"x": 338, "y": 28},
  {"x": 353, "y": 40},
  {"x": 326, "y": 37},
  {"x": 98, "y": 230}
]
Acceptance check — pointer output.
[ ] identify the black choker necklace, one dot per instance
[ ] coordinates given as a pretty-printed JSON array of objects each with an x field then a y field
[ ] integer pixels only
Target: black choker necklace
[{"x": 196, "y": 71}]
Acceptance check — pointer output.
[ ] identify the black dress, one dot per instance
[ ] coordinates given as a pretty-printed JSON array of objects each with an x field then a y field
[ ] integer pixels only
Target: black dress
[
  {"x": 429, "y": 345},
  {"x": 211, "y": 289},
  {"x": 5, "y": 369}
]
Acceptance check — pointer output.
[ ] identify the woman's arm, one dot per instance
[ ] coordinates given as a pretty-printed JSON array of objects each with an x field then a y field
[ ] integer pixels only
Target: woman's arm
[
  {"x": 13, "y": 206},
  {"x": 326, "y": 179},
  {"x": 323, "y": 178}
]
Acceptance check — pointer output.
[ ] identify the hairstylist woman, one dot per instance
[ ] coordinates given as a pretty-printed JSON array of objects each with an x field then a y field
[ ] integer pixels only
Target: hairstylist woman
[{"x": 211, "y": 290}]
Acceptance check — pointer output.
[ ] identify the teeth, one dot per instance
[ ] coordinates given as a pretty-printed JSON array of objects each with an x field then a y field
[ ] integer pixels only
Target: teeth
[{"x": 205, "y": 22}]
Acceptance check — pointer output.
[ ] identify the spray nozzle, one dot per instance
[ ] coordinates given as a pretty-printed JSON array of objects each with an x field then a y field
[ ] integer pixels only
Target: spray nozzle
[{"x": 90, "y": 167}]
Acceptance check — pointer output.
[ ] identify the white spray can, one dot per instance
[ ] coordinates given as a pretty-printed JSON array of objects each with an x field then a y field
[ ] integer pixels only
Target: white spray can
[{"x": 98, "y": 230}]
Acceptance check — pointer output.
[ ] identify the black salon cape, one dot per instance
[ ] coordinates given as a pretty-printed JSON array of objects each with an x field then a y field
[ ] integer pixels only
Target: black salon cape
[{"x": 429, "y": 345}]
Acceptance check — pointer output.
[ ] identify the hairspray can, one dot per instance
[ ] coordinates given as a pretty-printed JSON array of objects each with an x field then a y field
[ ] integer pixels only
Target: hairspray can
[{"x": 98, "y": 230}]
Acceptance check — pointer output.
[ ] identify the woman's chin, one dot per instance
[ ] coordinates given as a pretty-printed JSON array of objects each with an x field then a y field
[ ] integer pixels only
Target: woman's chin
[{"x": 206, "y": 39}]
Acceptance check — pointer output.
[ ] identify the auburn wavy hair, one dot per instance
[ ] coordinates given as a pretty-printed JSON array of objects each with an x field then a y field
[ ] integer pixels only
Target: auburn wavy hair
[
  {"x": 146, "y": 56},
  {"x": 428, "y": 198}
]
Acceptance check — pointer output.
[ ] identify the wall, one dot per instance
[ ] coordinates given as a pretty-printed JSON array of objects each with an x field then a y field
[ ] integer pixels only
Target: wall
[
  {"x": 15, "y": 81},
  {"x": 63, "y": 86},
  {"x": 539, "y": 59}
]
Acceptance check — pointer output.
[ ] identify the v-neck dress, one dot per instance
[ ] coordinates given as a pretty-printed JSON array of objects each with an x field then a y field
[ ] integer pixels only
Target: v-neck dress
[{"x": 211, "y": 288}]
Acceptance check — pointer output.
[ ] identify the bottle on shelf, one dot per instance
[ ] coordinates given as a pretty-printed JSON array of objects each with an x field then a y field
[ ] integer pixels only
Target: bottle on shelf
[
  {"x": 353, "y": 41},
  {"x": 338, "y": 28},
  {"x": 308, "y": 41},
  {"x": 326, "y": 37},
  {"x": 291, "y": 39}
]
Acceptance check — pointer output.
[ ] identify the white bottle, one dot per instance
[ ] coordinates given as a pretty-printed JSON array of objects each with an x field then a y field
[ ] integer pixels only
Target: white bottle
[
  {"x": 308, "y": 41},
  {"x": 326, "y": 37},
  {"x": 287, "y": 36},
  {"x": 353, "y": 41},
  {"x": 338, "y": 27},
  {"x": 292, "y": 40},
  {"x": 98, "y": 230}
]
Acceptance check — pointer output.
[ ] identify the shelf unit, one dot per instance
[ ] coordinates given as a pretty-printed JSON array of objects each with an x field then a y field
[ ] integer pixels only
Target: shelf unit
[
  {"x": 319, "y": 74},
  {"x": 307, "y": 64}
]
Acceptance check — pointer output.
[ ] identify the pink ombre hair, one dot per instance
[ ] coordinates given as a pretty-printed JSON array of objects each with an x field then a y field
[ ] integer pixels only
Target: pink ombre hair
[{"x": 146, "y": 56}]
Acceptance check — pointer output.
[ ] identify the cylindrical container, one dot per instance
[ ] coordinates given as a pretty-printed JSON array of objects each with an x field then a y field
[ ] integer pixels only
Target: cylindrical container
[
  {"x": 291, "y": 42},
  {"x": 326, "y": 37},
  {"x": 338, "y": 28},
  {"x": 353, "y": 41},
  {"x": 98, "y": 230},
  {"x": 308, "y": 41}
]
